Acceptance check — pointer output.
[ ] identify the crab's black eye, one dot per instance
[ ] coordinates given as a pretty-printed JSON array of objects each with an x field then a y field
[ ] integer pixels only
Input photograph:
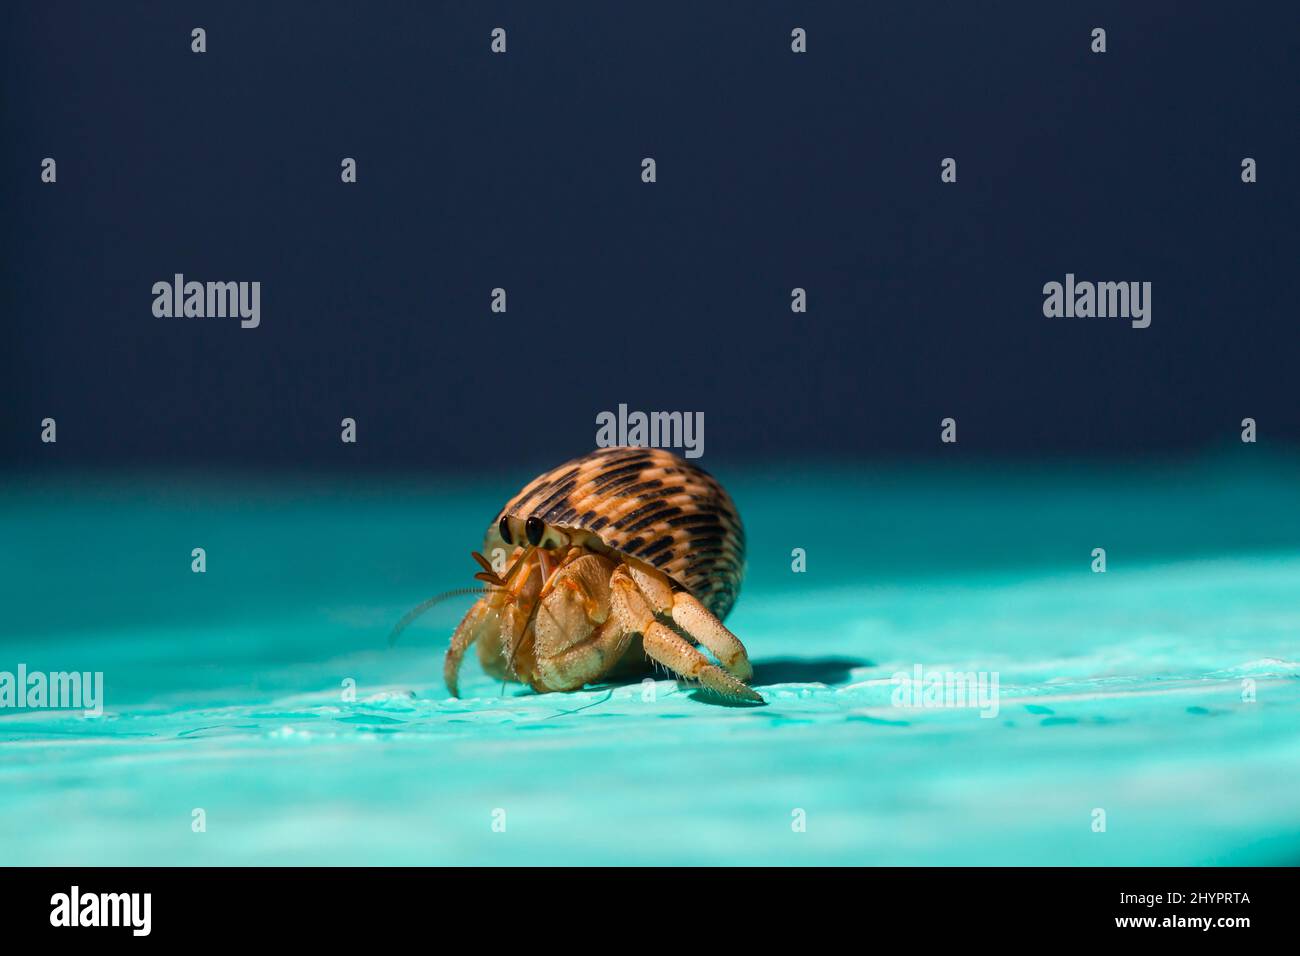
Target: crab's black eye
[
  {"x": 534, "y": 527},
  {"x": 504, "y": 528}
]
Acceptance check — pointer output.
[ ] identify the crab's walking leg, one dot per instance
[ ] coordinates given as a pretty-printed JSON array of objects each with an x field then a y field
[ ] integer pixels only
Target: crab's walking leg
[
  {"x": 493, "y": 652},
  {"x": 586, "y": 662},
  {"x": 696, "y": 620},
  {"x": 664, "y": 645},
  {"x": 471, "y": 627}
]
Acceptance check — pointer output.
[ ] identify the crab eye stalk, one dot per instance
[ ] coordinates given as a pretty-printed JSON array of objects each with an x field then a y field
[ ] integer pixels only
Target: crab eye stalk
[
  {"x": 534, "y": 527},
  {"x": 504, "y": 528}
]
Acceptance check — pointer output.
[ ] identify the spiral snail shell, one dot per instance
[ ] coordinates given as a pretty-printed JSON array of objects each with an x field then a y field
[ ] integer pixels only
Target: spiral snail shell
[{"x": 649, "y": 504}]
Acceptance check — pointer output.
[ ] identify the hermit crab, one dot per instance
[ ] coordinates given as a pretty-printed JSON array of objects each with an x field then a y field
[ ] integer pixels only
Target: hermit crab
[{"x": 619, "y": 558}]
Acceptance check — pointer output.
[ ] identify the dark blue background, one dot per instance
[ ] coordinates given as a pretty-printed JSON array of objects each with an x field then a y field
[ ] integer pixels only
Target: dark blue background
[{"x": 523, "y": 171}]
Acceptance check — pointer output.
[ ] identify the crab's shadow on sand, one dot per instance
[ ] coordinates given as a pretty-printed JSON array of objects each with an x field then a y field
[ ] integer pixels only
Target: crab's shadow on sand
[
  {"x": 806, "y": 670},
  {"x": 791, "y": 670}
]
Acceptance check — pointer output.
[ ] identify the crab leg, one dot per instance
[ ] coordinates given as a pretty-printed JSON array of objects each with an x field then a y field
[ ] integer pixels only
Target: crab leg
[
  {"x": 471, "y": 627},
  {"x": 583, "y": 663},
  {"x": 494, "y": 610},
  {"x": 696, "y": 620},
  {"x": 667, "y": 647}
]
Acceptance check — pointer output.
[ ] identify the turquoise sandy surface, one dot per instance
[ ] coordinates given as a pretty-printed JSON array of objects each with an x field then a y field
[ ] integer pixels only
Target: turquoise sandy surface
[{"x": 1149, "y": 714}]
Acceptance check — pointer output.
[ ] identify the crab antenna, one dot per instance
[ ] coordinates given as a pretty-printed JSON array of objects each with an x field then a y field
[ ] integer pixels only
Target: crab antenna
[{"x": 423, "y": 606}]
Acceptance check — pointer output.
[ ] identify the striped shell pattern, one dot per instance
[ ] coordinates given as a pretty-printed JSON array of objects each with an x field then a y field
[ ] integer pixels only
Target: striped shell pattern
[{"x": 649, "y": 504}]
